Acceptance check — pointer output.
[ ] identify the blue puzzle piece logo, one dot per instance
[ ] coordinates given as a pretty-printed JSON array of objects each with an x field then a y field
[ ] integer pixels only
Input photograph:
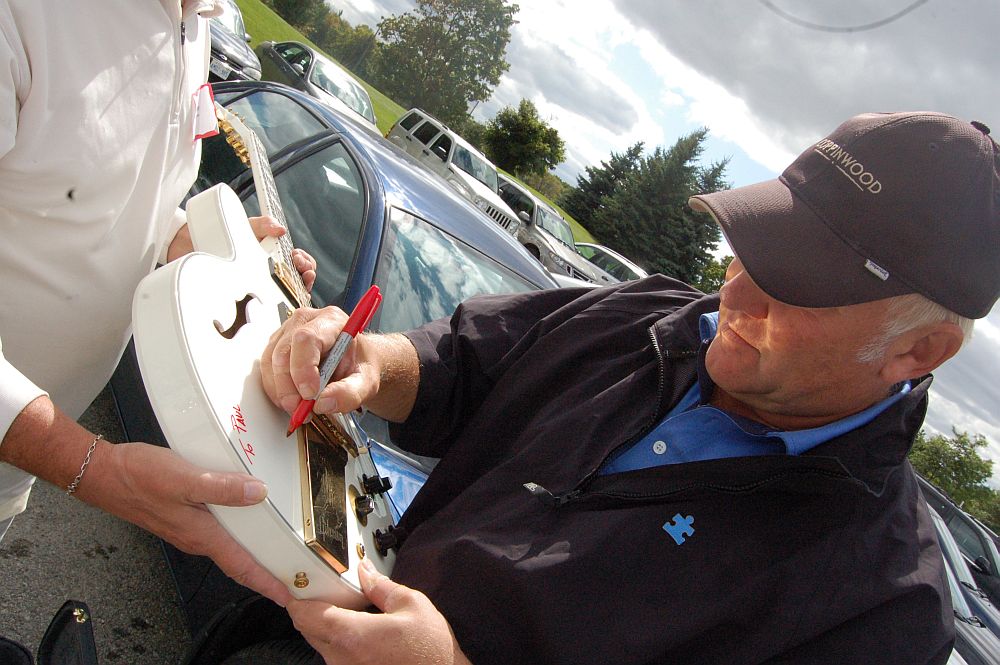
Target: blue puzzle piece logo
[{"x": 679, "y": 528}]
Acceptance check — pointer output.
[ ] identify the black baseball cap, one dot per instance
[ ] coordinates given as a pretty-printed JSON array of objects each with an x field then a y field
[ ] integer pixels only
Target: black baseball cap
[{"x": 888, "y": 204}]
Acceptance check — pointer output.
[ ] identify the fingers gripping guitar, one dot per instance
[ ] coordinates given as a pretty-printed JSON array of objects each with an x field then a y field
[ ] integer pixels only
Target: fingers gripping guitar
[{"x": 201, "y": 324}]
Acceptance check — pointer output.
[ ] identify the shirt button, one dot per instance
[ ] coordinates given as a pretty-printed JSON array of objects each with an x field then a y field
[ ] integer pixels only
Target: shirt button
[{"x": 659, "y": 447}]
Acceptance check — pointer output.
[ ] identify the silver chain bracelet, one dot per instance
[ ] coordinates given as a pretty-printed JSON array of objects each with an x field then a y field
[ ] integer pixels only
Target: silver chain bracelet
[{"x": 83, "y": 467}]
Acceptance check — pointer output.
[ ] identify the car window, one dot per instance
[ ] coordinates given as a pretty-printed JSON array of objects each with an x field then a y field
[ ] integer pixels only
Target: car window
[
  {"x": 516, "y": 199},
  {"x": 425, "y": 132},
  {"x": 555, "y": 225},
  {"x": 425, "y": 273},
  {"x": 442, "y": 147},
  {"x": 408, "y": 121},
  {"x": 294, "y": 54},
  {"x": 586, "y": 252},
  {"x": 323, "y": 199},
  {"x": 334, "y": 80},
  {"x": 475, "y": 166},
  {"x": 276, "y": 119},
  {"x": 967, "y": 538},
  {"x": 612, "y": 266}
]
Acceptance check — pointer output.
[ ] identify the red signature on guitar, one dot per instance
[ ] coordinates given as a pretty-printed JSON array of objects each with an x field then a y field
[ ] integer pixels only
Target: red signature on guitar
[{"x": 240, "y": 425}]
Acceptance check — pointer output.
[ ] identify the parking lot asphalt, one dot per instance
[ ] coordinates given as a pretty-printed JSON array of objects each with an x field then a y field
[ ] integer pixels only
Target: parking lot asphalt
[{"x": 61, "y": 548}]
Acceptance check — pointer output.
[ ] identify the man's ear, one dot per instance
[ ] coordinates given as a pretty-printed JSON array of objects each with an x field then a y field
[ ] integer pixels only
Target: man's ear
[{"x": 920, "y": 351}]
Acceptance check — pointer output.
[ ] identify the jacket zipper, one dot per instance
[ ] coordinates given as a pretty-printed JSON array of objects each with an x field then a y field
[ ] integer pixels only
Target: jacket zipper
[
  {"x": 565, "y": 497},
  {"x": 179, "y": 73}
]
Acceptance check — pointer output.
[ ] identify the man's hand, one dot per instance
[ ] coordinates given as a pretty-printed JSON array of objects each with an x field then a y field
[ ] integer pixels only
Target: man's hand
[
  {"x": 302, "y": 261},
  {"x": 159, "y": 491},
  {"x": 410, "y": 631},
  {"x": 290, "y": 364},
  {"x": 263, "y": 227}
]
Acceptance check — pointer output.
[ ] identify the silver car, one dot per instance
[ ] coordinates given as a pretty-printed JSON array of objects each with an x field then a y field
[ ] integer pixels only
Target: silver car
[
  {"x": 548, "y": 236},
  {"x": 302, "y": 67}
]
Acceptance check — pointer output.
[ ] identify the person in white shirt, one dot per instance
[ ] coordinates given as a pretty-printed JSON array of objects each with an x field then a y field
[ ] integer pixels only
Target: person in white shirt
[{"x": 97, "y": 148}]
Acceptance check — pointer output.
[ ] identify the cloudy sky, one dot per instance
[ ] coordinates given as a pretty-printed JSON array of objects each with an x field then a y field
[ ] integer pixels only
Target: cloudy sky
[{"x": 767, "y": 78}]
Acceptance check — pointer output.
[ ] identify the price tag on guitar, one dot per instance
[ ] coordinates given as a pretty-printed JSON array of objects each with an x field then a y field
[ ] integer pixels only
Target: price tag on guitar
[{"x": 200, "y": 325}]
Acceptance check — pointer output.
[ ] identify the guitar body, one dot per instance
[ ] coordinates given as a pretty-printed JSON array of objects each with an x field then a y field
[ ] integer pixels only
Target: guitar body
[{"x": 201, "y": 324}]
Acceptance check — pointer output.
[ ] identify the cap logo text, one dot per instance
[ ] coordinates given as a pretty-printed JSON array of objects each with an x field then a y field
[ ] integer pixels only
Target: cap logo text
[{"x": 848, "y": 164}]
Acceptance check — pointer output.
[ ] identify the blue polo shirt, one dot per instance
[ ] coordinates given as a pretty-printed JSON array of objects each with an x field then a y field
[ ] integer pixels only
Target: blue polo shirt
[{"x": 694, "y": 430}]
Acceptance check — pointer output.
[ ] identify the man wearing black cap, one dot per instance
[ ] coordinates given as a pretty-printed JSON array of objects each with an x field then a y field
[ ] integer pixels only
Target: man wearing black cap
[{"x": 642, "y": 473}]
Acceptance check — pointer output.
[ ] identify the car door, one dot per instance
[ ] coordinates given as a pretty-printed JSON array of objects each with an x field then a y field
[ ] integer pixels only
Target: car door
[{"x": 286, "y": 63}]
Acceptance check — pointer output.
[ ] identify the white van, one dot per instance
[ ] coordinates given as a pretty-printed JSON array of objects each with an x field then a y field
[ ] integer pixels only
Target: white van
[{"x": 456, "y": 160}]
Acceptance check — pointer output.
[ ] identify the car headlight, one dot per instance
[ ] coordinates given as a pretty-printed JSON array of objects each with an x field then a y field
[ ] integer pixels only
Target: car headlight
[{"x": 558, "y": 260}]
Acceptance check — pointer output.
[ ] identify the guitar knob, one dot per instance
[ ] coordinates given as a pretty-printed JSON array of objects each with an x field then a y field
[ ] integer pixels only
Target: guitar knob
[
  {"x": 385, "y": 541},
  {"x": 364, "y": 505},
  {"x": 376, "y": 484}
]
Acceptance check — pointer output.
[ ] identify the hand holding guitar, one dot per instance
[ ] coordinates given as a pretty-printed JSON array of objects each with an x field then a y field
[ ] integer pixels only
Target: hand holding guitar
[
  {"x": 147, "y": 485},
  {"x": 264, "y": 226},
  {"x": 410, "y": 630}
]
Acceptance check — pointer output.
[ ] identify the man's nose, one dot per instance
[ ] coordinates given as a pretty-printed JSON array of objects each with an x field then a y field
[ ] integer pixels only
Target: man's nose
[{"x": 740, "y": 293}]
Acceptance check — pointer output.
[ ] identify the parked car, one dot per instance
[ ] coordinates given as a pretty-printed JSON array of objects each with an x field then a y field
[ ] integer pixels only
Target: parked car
[
  {"x": 303, "y": 68},
  {"x": 973, "y": 640},
  {"x": 977, "y": 600},
  {"x": 231, "y": 57},
  {"x": 368, "y": 214},
  {"x": 548, "y": 236},
  {"x": 610, "y": 261},
  {"x": 456, "y": 160},
  {"x": 976, "y": 541}
]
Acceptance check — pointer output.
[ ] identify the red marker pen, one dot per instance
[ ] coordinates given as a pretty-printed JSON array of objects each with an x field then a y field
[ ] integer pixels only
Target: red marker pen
[{"x": 357, "y": 322}]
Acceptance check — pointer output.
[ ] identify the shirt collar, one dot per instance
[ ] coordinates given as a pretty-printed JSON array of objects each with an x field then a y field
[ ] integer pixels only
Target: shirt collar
[{"x": 796, "y": 441}]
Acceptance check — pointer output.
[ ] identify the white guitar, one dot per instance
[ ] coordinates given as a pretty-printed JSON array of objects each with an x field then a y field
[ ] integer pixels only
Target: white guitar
[{"x": 200, "y": 325}]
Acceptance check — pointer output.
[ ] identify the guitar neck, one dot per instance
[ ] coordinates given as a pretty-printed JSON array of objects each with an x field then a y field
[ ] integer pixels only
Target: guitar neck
[{"x": 251, "y": 151}]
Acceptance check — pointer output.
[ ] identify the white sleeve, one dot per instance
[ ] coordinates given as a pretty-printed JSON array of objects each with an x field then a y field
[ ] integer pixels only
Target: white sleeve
[{"x": 16, "y": 392}]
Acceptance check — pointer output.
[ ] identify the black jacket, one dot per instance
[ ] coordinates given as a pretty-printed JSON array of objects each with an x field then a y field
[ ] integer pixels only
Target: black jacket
[{"x": 828, "y": 557}]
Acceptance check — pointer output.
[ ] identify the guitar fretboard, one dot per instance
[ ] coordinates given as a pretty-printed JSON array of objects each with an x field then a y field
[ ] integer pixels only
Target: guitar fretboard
[{"x": 251, "y": 151}]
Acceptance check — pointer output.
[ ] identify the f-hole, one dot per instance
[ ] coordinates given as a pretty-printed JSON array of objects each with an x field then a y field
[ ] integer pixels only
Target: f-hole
[{"x": 239, "y": 321}]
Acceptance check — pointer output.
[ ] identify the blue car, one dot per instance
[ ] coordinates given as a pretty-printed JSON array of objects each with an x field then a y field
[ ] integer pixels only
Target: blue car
[{"x": 368, "y": 214}]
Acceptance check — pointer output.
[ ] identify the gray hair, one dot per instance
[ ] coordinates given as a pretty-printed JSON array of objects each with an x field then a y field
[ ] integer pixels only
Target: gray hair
[{"x": 905, "y": 313}]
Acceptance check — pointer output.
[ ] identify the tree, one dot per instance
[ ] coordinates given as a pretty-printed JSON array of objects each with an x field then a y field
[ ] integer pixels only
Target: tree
[
  {"x": 444, "y": 55},
  {"x": 713, "y": 275},
  {"x": 521, "y": 142},
  {"x": 954, "y": 465},
  {"x": 599, "y": 183},
  {"x": 348, "y": 44},
  {"x": 548, "y": 184},
  {"x": 647, "y": 217},
  {"x": 301, "y": 14}
]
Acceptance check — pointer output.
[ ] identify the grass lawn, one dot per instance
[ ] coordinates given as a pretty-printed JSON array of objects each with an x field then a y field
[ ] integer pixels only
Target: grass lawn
[{"x": 265, "y": 25}]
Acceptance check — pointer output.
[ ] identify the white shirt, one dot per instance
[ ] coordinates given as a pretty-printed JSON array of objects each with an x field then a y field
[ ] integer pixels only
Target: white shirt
[{"x": 97, "y": 150}]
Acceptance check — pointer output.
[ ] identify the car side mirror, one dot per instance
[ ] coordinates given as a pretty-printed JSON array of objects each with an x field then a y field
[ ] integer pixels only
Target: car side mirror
[
  {"x": 299, "y": 68},
  {"x": 524, "y": 217},
  {"x": 983, "y": 564},
  {"x": 246, "y": 36},
  {"x": 441, "y": 152}
]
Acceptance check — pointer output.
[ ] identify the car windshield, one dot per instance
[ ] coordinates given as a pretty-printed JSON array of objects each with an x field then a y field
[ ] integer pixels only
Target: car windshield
[
  {"x": 475, "y": 166},
  {"x": 230, "y": 19},
  {"x": 425, "y": 273},
  {"x": 334, "y": 80},
  {"x": 952, "y": 552},
  {"x": 555, "y": 225}
]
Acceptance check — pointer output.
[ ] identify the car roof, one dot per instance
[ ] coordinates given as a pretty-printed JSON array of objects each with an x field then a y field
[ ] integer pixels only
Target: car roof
[
  {"x": 404, "y": 183},
  {"x": 459, "y": 139}
]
